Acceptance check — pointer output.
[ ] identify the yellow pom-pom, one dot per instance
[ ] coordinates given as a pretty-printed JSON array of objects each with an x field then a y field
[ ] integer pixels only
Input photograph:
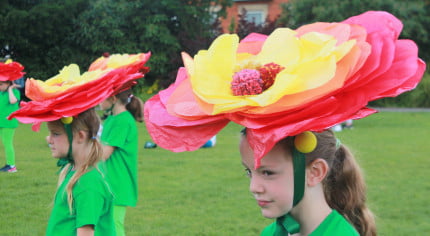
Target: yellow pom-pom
[
  {"x": 305, "y": 142},
  {"x": 67, "y": 120}
]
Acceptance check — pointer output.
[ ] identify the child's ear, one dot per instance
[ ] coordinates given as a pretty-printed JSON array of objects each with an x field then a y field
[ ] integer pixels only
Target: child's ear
[
  {"x": 82, "y": 136},
  {"x": 113, "y": 99},
  {"x": 316, "y": 172}
]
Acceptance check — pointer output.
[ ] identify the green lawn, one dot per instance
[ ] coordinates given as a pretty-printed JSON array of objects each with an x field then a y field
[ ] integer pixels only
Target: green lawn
[{"x": 206, "y": 192}]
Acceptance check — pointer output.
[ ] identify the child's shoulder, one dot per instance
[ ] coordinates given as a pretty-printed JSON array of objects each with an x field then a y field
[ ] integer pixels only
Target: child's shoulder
[
  {"x": 93, "y": 172},
  {"x": 335, "y": 224},
  {"x": 92, "y": 185},
  {"x": 92, "y": 176},
  {"x": 92, "y": 179},
  {"x": 121, "y": 118}
]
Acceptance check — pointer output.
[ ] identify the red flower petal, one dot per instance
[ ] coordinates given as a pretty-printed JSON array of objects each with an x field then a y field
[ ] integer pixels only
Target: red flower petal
[
  {"x": 11, "y": 71},
  {"x": 77, "y": 100}
]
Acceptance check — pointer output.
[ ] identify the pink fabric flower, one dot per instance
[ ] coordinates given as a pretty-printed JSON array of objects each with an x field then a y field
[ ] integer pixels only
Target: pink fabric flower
[{"x": 376, "y": 64}]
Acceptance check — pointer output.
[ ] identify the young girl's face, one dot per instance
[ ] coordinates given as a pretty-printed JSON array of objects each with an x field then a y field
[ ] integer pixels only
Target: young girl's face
[
  {"x": 272, "y": 183},
  {"x": 4, "y": 85},
  {"x": 57, "y": 140}
]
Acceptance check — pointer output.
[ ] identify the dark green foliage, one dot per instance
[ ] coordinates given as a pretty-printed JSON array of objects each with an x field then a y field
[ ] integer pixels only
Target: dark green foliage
[
  {"x": 46, "y": 35},
  {"x": 414, "y": 14},
  {"x": 40, "y": 36}
]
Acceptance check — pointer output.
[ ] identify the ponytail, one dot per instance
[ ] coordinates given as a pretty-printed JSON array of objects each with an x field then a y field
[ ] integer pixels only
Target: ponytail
[
  {"x": 345, "y": 191},
  {"x": 132, "y": 103},
  {"x": 344, "y": 186},
  {"x": 135, "y": 107}
]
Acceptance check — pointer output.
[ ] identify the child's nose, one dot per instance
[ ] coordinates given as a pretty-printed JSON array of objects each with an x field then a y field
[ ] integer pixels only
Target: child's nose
[{"x": 255, "y": 185}]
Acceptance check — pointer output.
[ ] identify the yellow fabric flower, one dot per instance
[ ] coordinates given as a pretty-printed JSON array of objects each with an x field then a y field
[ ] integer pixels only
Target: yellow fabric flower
[{"x": 309, "y": 61}]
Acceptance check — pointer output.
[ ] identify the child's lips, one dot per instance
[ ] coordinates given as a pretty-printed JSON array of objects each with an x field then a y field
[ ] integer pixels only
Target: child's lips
[{"x": 263, "y": 203}]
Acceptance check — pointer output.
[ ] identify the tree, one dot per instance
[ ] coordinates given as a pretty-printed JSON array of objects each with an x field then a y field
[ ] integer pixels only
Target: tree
[
  {"x": 245, "y": 27},
  {"x": 46, "y": 35},
  {"x": 414, "y": 14},
  {"x": 168, "y": 27},
  {"x": 39, "y": 35}
]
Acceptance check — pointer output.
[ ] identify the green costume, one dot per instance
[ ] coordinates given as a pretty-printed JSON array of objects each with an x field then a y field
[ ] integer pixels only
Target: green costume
[
  {"x": 334, "y": 224},
  {"x": 92, "y": 205},
  {"x": 120, "y": 131},
  {"x": 6, "y": 108},
  {"x": 7, "y": 127}
]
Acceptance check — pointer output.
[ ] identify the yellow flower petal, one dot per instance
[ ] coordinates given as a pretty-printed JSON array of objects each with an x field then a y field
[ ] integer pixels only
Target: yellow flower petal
[
  {"x": 118, "y": 60},
  {"x": 281, "y": 47},
  {"x": 309, "y": 62},
  {"x": 214, "y": 69},
  {"x": 68, "y": 78}
]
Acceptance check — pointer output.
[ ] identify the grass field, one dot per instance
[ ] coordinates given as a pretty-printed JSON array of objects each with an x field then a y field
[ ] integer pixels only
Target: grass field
[{"x": 206, "y": 192}]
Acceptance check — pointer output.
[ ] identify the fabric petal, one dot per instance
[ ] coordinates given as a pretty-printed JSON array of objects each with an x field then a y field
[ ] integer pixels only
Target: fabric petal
[
  {"x": 11, "y": 71},
  {"x": 189, "y": 135},
  {"x": 328, "y": 73}
]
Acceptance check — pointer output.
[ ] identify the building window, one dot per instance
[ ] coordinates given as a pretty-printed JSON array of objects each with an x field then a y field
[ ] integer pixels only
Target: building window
[
  {"x": 255, "y": 17},
  {"x": 256, "y": 13}
]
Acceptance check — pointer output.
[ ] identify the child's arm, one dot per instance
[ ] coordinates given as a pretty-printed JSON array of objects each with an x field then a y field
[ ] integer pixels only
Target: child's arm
[
  {"x": 107, "y": 151},
  {"x": 86, "y": 230},
  {"x": 12, "y": 98}
]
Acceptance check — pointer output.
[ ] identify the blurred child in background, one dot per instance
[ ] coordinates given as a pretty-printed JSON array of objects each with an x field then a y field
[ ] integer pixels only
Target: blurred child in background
[
  {"x": 9, "y": 102},
  {"x": 120, "y": 149}
]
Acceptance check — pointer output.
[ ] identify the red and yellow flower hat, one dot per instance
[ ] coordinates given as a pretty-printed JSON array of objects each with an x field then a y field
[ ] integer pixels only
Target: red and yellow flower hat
[
  {"x": 11, "y": 70},
  {"x": 70, "y": 92},
  {"x": 283, "y": 84}
]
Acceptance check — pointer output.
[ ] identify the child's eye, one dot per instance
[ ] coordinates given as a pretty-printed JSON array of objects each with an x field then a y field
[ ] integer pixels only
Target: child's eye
[
  {"x": 248, "y": 172},
  {"x": 267, "y": 172}
]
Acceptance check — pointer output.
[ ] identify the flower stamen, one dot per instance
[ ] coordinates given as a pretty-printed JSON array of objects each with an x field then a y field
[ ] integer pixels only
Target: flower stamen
[
  {"x": 254, "y": 81},
  {"x": 268, "y": 73},
  {"x": 247, "y": 82}
]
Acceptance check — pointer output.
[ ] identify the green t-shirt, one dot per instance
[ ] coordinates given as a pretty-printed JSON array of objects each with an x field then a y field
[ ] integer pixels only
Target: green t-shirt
[
  {"x": 92, "y": 205},
  {"x": 6, "y": 109},
  {"x": 120, "y": 131},
  {"x": 334, "y": 224}
]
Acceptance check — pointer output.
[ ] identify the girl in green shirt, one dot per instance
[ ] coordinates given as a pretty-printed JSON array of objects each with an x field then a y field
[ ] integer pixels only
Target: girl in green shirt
[
  {"x": 315, "y": 191},
  {"x": 120, "y": 146},
  {"x": 9, "y": 102},
  {"x": 83, "y": 204},
  {"x": 280, "y": 87}
]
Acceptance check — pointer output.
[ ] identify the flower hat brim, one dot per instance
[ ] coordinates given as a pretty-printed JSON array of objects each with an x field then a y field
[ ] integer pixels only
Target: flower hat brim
[
  {"x": 70, "y": 93},
  {"x": 325, "y": 73},
  {"x": 11, "y": 71}
]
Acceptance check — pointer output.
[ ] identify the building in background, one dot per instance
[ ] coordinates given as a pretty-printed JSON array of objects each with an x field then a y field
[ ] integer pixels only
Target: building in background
[{"x": 256, "y": 11}]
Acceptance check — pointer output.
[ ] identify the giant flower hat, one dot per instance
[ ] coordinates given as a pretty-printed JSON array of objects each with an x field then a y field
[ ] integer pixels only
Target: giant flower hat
[
  {"x": 10, "y": 71},
  {"x": 283, "y": 84},
  {"x": 70, "y": 92}
]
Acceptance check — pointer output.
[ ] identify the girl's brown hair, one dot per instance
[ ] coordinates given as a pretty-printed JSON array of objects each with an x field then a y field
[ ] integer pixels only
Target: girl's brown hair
[
  {"x": 344, "y": 186},
  {"x": 89, "y": 122},
  {"x": 132, "y": 103}
]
